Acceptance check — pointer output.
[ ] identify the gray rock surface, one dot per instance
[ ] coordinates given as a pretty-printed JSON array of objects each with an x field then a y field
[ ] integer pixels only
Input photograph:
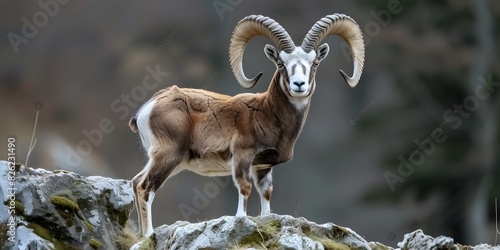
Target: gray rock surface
[
  {"x": 417, "y": 240},
  {"x": 269, "y": 231},
  {"x": 274, "y": 231},
  {"x": 62, "y": 210}
]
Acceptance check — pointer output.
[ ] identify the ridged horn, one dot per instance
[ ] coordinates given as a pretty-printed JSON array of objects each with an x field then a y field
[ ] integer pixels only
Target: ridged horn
[
  {"x": 348, "y": 29},
  {"x": 248, "y": 28}
]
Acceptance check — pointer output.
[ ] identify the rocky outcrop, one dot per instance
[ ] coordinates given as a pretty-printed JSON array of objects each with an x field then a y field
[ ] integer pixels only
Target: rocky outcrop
[
  {"x": 419, "y": 241},
  {"x": 274, "y": 231},
  {"x": 62, "y": 210},
  {"x": 269, "y": 231}
]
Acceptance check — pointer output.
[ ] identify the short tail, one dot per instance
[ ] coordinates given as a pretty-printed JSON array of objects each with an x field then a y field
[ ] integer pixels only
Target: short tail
[{"x": 133, "y": 124}]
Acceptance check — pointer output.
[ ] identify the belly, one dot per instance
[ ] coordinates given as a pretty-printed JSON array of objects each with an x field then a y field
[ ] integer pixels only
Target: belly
[{"x": 214, "y": 166}]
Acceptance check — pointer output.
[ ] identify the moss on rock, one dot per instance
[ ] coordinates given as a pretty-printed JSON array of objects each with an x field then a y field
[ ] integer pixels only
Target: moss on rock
[
  {"x": 57, "y": 171},
  {"x": 378, "y": 246},
  {"x": 148, "y": 243},
  {"x": 61, "y": 206},
  {"x": 118, "y": 216},
  {"x": 41, "y": 231},
  {"x": 95, "y": 243},
  {"x": 88, "y": 226},
  {"x": 265, "y": 235},
  {"x": 64, "y": 203},
  {"x": 19, "y": 207},
  {"x": 127, "y": 238},
  {"x": 17, "y": 166},
  {"x": 340, "y": 231},
  {"x": 3, "y": 234},
  {"x": 329, "y": 244}
]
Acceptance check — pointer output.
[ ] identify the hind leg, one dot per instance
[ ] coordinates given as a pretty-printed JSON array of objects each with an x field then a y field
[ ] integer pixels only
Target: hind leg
[
  {"x": 135, "y": 183},
  {"x": 160, "y": 166},
  {"x": 264, "y": 183},
  {"x": 165, "y": 128}
]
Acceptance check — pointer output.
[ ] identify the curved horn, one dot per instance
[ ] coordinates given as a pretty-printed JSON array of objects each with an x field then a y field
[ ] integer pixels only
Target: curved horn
[
  {"x": 348, "y": 29},
  {"x": 248, "y": 28}
]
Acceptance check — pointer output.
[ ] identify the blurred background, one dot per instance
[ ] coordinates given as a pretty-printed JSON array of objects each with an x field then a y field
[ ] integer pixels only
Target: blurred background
[{"x": 414, "y": 145}]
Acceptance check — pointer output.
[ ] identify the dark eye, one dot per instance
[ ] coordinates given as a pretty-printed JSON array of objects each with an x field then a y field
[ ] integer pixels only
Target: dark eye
[
  {"x": 315, "y": 64},
  {"x": 280, "y": 64}
]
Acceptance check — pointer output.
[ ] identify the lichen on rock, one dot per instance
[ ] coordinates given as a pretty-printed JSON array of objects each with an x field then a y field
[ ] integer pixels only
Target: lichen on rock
[{"x": 63, "y": 210}]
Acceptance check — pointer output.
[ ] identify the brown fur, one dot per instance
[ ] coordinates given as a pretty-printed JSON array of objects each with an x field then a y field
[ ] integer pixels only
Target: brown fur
[{"x": 192, "y": 124}]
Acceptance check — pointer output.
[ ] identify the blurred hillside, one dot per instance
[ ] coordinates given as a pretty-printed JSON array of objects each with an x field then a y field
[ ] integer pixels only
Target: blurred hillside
[{"x": 357, "y": 162}]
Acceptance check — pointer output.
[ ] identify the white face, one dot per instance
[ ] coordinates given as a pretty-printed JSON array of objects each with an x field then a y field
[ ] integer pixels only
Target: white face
[{"x": 297, "y": 68}]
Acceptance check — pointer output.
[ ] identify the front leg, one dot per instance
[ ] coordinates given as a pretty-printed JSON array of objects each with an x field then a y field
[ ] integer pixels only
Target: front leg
[
  {"x": 264, "y": 183},
  {"x": 243, "y": 181}
]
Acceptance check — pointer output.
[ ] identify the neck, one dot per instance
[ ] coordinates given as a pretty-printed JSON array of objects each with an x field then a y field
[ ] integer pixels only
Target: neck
[
  {"x": 288, "y": 113},
  {"x": 277, "y": 98}
]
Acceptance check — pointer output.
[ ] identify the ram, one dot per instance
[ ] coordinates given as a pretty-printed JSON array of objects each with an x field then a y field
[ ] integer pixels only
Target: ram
[{"x": 244, "y": 135}]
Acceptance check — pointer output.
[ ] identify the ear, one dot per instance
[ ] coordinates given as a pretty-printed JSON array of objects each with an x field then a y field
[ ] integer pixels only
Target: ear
[
  {"x": 322, "y": 51},
  {"x": 272, "y": 53}
]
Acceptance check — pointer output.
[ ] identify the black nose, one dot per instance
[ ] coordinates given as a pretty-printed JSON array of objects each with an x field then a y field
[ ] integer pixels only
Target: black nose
[{"x": 299, "y": 84}]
